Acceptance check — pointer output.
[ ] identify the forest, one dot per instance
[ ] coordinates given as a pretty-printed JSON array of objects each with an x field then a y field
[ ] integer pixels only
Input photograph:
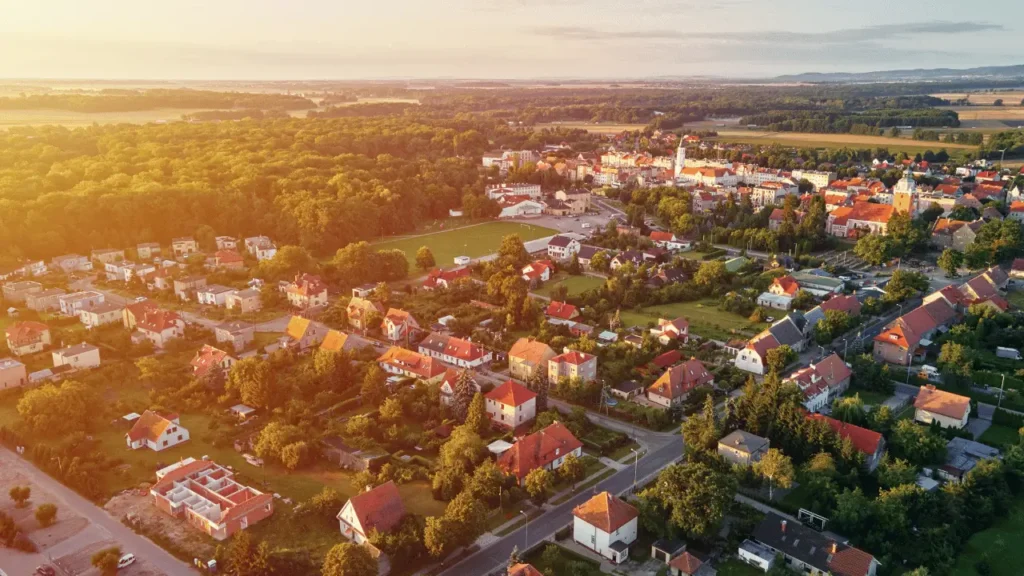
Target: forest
[
  {"x": 132, "y": 100},
  {"x": 868, "y": 121}
]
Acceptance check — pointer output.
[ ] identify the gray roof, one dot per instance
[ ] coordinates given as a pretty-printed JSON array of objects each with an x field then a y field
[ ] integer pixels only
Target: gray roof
[
  {"x": 744, "y": 441},
  {"x": 436, "y": 342},
  {"x": 77, "y": 349},
  {"x": 786, "y": 332},
  {"x": 587, "y": 252},
  {"x": 628, "y": 386},
  {"x": 560, "y": 240},
  {"x": 234, "y": 326},
  {"x": 963, "y": 455},
  {"x": 795, "y": 540},
  {"x": 815, "y": 280},
  {"x": 813, "y": 316}
]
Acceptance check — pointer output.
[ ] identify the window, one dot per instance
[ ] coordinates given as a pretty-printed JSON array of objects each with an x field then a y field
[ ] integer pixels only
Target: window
[
  {"x": 179, "y": 437},
  {"x": 165, "y": 442}
]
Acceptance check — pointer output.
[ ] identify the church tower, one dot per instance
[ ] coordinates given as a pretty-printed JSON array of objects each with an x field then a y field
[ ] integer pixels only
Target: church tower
[
  {"x": 904, "y": 195},
  {"x": 680, "y": 158}
]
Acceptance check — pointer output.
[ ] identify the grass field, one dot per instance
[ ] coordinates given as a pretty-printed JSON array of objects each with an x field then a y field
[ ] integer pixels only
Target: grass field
[
  {"x": 734, "y": 567},
  {"x": 998, "y": 545},
  {"x": 999, "y": 436},
  {"x": 869, "y": 397},
  {"x": 473, "y": 241},
  {"x": 705, "y": 319},
  {"x": 595, "y": 128},
  {"x": 560, "y": 563},
  {"x": 811, "y": 140},
  {"x": 1016, "y": 298},
  {"x": 575, "y": 284},
  {"x": 982, "y": 98}
]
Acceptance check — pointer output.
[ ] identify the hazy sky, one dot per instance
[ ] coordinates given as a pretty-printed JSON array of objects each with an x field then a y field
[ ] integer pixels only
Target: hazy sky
[{"x": 344, "y": 39}]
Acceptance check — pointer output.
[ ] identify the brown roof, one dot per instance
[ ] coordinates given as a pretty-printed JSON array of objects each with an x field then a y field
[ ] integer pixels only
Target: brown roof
[
  {"x": 398, "y": 317},
  {"x": 686, "y": 563},
  {"x": 538, "y": 449},
  {"x": 22, "y": 333},
  {"x": 150, "y": 426},
  {"x": 680, "y": 379},
  {"x": 762, "y": 343},
  {"x": 943, "y": 403},
  {"x": 533, "y": 351},
  {"x": 414, "y": 362},
  {"x": 334, "y": 341},
  {"x": 844, "y": 302},
  {"x": 851, "y": 562},
  {"x": 606, "y": 512},
  {"x": 380, "y": 508},
  {"x": 157, "y": 320},
  {"x": 523, "y": 570},
  {"x": 511, "y": 393},
  {"x": 869, "y": 212},
  {"x": 207, "y": 359},
  {"x": 864, "y": 440}
]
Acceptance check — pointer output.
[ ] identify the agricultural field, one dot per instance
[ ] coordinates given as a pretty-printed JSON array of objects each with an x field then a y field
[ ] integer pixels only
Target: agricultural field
[
  {"x": 706, "y": 320},
  {"x": 1012, "y": 98},
  {"x": 9, "y": 118},
  {"x": 473, "y": 241},
  {"x": 575, "y": 284},
  {"x": 811, "y": 140}
]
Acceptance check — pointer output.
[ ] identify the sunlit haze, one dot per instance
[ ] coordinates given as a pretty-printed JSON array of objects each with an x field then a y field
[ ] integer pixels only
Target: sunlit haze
[{"x": 273, "y": 39}]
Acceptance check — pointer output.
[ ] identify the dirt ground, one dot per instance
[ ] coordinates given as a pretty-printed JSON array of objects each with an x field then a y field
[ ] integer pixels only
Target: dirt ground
[
  {"x": 136, "y": 505},
  {"x": 80, "y": 562},
  {"x": 67, "y": 525}
]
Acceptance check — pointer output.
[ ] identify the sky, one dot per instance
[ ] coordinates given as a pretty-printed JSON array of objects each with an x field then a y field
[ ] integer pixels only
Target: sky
[{"x": 501, "y": 39}]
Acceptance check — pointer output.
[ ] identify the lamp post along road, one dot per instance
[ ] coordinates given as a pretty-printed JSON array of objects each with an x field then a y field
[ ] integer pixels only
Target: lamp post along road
[
  {"x": 526, "y": 533},
  {"x": 636, "y": 462}
]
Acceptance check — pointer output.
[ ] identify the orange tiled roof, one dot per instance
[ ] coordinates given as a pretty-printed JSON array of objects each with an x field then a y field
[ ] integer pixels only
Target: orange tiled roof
[
  {"x": 686, "y": 563},
  {"x": 511, "y": 393},
  {"x": 207, "y": 359},
  {"x": 606, "y": 512},
  {"x": 562, "y": 310},
  {"x": 158, "y": 320},
  {"x": 869, "y": 212},
  {"x": 941, "y": 402},
  {"x": 538, "y": 449},
  {"x": 864, "y": 440},
  {"x": 334, "y": 341},
  {"x": 408, "y": 361},
  {"x": 23, "y": 333},
  {"x": 523, "y": 570},
  {"x": 851, "y": 561},
  {"x": 378, "y": 509},
  {"x": 681, "y": 379},
  {"x": 533, "y": 351},
  {"x": 788, "y": 284},
  {"x": 150, "y": 426}
]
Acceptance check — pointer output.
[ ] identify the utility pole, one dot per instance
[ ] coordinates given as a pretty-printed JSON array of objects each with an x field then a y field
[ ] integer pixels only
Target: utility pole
[
  {"x": 999, "y": 402},
  {"x": 527, "y": 544},
  {"x": 636, "y": 460}
]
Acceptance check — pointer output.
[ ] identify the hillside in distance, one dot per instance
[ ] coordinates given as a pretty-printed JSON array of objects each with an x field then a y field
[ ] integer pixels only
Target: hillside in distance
[{"x": 918, "y": 74}]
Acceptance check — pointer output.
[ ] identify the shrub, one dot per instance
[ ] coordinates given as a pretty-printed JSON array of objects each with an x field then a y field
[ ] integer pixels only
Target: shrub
[{"x": 46, "y": 514}]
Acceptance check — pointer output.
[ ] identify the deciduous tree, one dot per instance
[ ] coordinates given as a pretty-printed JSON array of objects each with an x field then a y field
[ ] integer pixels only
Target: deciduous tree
[
  {"x": 425, "y": 259},
  {"x": 571, "y": 470},
  {"x": 777, "y": 468},
  {"x": 46, "y": 514},
  {"x": 349, "y": 559}
]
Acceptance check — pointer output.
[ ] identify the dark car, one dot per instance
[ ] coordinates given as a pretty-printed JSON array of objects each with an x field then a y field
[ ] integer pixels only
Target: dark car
[{"x": 45, "y": 570}]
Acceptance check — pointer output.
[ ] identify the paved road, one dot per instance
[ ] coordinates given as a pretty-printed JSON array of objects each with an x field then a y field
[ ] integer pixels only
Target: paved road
[
  {"x": 130, "y": 541},
  {"x": 495, "y": 556}
]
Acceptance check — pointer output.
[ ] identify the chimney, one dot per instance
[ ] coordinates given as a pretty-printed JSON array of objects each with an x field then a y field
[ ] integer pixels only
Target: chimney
[
  {"x": 834, "y": 548},
  {"x": 368, "y": 488},
  {"x": 783, "y": 526}
]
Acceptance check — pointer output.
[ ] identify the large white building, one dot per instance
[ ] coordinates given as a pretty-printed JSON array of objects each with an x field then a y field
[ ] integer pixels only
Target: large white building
[
  {"x": 496, "y": 191},
  {"x": 511, "y": 405},
  {"x": 818, "y": 178}
]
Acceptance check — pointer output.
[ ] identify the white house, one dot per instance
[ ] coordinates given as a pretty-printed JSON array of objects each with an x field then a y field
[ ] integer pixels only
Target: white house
[
  {"x": 214, "y": 295},
  {"x": 563, "y": 247},
  {"x": 607, "y": 525},
  {"x": 454, "y": 351},
  {"x": 156, "y": 432},
  {"x": 776, "y": 301},
  {"x": 511, "y": 405},
  {"x": 948, "y": 409},
  {"x": 753, "y": 357},
  {"x": 78, "y": 357},
  {"x": 261, "y": 247},
  {"x": 71, "y": 304},
  {"x": 379, "y": 509},
  {"x": 397, "y": 324}
]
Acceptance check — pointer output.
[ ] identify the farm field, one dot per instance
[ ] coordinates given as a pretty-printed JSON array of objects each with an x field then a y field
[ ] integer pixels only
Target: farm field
[
  {"x": 812, "y": 140},
  {"x": 983, "y": 98},
  {"x": 575, "y": 284},
  {"x": 472, "y": 241},
  {"x": 706, "y": 320},
  {"x": 10, "y": 118},
  {"x": 990, "y": 117},
  {"x": 998, "y": 545},
  {"x": 595, "y": 128}
]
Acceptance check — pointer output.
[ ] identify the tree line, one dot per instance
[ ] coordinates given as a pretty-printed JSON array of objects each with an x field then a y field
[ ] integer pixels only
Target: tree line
[{"x": 133, "y": 100}]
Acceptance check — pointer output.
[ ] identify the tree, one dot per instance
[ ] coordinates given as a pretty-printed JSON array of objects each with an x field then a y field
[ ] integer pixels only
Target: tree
[
  {"x": 46, "y": 514},
  {"x": 425, "y": 259},
  {"x": 293, "y": 455},
  {"x": 931, "y": 213},
  {"x": 463, "y": 395},
  {"x": 977, "y": 255},
  {"x": 849, "y": 409},
  {"x": 463, "y": 450},
  {"x": 710, "y": 274},
  {"x": 871, "y": 375},
  {"x": 777, "y": 359},
  {"x": 701, "y": 432},
  {"x": 904, "y": 285},
  {"x": 106, "y": 560},
  {"x": 272, "y": 440},
  {"x": 487, "y": 482},
  {"x": 917, "y": 444},
  {"x": 997, "y": 102},
  {"x": 52, "y": 410},
  {"x": 895, "y": 472},
  {"x": 874, "y": 249},
  {"x": 777, "y": 468},
  {"x": 286, "y": 263},
  {"x": 695, "y": 495},
  {"x": 349, "y": 559},
  {"x": 950, "y": 261},
  {"x": 254, "y": 380},
  {"x": 571, "y": 470},
  {"x": 835, "y": 323},
  {"x": 477, "y": 418},
  {"x": 537, "y": 484},
  {"x": 374, "y": 389},
  {"x": 512, "y": 253},
  {"x": 956, "y": 360},
  {"x": 243, "y": 557},
  {"x": 439, "y": 536},
  {"x": 20, "y": 495},
  {"x": 600, "y": 261},
  {"x": 803, "y": 300},
  {"x": 467, "y": 517}
]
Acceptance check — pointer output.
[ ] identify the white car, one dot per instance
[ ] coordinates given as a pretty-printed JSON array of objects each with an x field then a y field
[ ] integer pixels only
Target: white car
[
  {"x": 845, "y": 278},
  {"x": 126, "y": 561}
]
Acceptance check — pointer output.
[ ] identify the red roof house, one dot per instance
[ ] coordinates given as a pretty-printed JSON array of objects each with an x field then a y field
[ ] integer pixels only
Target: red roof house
[
  {"x": 546, "y": 448},
  {"x": 673, "y": 386},
  {"x": 379, "y": 509},
  {"x": 562, "y": 311}
]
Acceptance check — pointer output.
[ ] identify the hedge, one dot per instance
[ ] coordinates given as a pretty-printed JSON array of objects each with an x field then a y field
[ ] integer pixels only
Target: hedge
[
  {"x": 1005, "y": 418},
  {"x": 718, "y": 253}
]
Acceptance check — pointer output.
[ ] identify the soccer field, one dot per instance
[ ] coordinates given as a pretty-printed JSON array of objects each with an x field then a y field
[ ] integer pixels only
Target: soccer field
[{"x": 472, "y": 241}]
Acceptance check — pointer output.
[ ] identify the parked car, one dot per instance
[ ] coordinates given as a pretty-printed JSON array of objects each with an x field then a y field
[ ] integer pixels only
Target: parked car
[
  {"x": 45, "y": 570},
  {"x": 126, "y": 561}
]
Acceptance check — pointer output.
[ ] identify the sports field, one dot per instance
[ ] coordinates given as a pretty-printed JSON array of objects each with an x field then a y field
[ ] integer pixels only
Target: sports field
[
  {"x": 473, "y": 241},
  {"x": 811, "y": 140}
]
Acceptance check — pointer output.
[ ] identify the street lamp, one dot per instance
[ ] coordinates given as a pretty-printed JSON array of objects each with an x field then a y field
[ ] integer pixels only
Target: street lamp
[
  {"x": 527, "y": 534},
  {"x": 636, "y": 462}
]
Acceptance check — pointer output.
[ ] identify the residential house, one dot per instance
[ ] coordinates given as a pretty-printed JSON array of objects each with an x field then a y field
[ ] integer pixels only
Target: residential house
[
  {"x": 443, "y": 279},
  {"x": 454, "y": 351},
  {"x": 666, "y": 275},
  {"x": 1016, "y": 269},
  {"x": 562, "y": 247},
  {"x": 705, "y": 202},
  {"x": 686, "y": 564},
  {"x": 336, "y": 451},
  {"x": 450, "y": 380},
  {"x": 27, "y": 337},
  {"x": 668, "y": 331},
  {"x": 907, "y": 336},
  {"x": 572, "y": 365},
  {"x": 213, "y": 295},
  {"x": 948, "y": 409},
  {"x": 742, "y": 448},
  {"x": 378, "y": 508},
  {"x": 361, "y": 312},
  {"x": 784, "y": 286},
  {"x": 577, "y": 200},
  {"x": 210, "y": 362},
  {"x": 184, "y": 247},
  {"x": 538, "y": 271},
  {"x": 676, "y": 383},
  {"x": 228, "y": 260},
  {"x": 607, "y": 525},
  {"x": 962, "y": 456},
  {"x": 523, "y": 570},
  {"x": 245, "y": 301},
  {"x": 226, "y": 243},
  {"x": 100, "y": 314},
  {"x": 774, "y": 301},
  {"x": 843, "y": 303},
  {"x": 527, "y": 356},
  {"x": 131, "y": 313},
  {"x": 306, "y": 291},
  {"x": 511, "y": 405},
  {"x": 160, "y": 326},
  {"x": 754, "y": 357},
  {"x": 261, "y": 247},
  {"x": 12, "y": 374},
  {"x": 107, "y": 255},
  {"x": 44, "y": 300},
  {"x": 586, "y": 254},
  {"x": 207, "y": 496},
  {"x": 807, "y": 551},
  {"x": 236, "y": 333},
  {"x": 402, "y": 362},
  {"x": 70, "y": 263},
  {"x": 822, "y": 382},
  {"x": 18, "y": 292},
  {"x": 771, "y": 193},
  {"x": 156, "y": 432},
  {"x": 304, "y": 333},
  {"x": 71, "y": 304},
  {"x": 186, "y": 286},
  {"x": 634, "y": 257},
  {"x": 561, "y": 311},
  {"x": 398, "y": 324},
  {"x": 668, "y": 240},
  {"x": 335, "y": 341},
  {"x": 868, "y": 442},
  {"x": 866, "y": 218},
  {"x": 147, "y": 250},
  {"x": 546, "y": 448}
]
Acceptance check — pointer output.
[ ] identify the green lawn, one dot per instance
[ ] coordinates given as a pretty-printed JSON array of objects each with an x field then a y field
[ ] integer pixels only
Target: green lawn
[
  {"x": 734, "y": 567},
  {"x": 575, "y": 284},
  {"x": 1016, "y": 298},
  {"x": 474, "y": 241},
  {"x": 999, "y": 545},
  {"x": 692, "y": 254},
  {"x": 869, "y": 397},
  {"x": 705, "y": 319},
  {"x": 999, "y": 436},
  {"x": 549, "y": 563}
]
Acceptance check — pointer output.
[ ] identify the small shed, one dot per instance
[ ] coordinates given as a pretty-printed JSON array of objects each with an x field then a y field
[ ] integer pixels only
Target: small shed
[
  {"x": 665, "y": 550},
  {"x": 242, "y": 411},
  {"x": 498, "y": 447},
  {"x": 350, "y": 458}
]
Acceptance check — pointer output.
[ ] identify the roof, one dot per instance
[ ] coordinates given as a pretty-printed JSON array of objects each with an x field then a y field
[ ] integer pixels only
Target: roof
[
  {"x": 870, "y": 212},
  {"x": 308, "y": 285},
  {"x": 538, "y": 449},
  {"x": 102, "y": 308},
  {"x": 812, "y": 547},
  {"x": 80, "y": 348},
  {"x": 681, "y": 379},
  {"x": 667, "y": 359},
  {"x": 573, "y": 357},
  {"x": 562, "y": 310},
  {"x": 334, "y": 341},
  {"x": 606, "y": 512},
  {"x": 378, "y": 509},
  {"x": 851, "y": 561},
  {"x": 207, "y": 359},
  {"x": 399, "y": 317},
  {"x": 157, "y": 320},
  {"x": 452, "y": 346},
  {"x": 785, "y": 331},
  {"x": 227, "y": 256},
  {"x": 864, "y": 440},
  {"x": 788, "y": 285},
  {"x": 150, "y": 426},
  {"x": 523, "y": 570},
  {"x": 357, "y": 307},
  {"x": 659, "y": 236},
  {"x": 28, "y": 332},
  {"x": 532, "y": 351},
  {"x": 762, "y": 343},
  {"x": 511, "y": 393},
  {"x": 832, "y": 369},
  {"x": 942, "y": 403},
  {"x": 561, "y": 241},
  {"x": 587, "y": 252},
  {"x": 297, "y": 327},
  {"x": 235, "y": 326},
  {"x": 686, "y": 563},
  {"x": 843, "y": 303},
  {"x": 412, "y": 362},
  {"x": 744, "y": 441}
]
